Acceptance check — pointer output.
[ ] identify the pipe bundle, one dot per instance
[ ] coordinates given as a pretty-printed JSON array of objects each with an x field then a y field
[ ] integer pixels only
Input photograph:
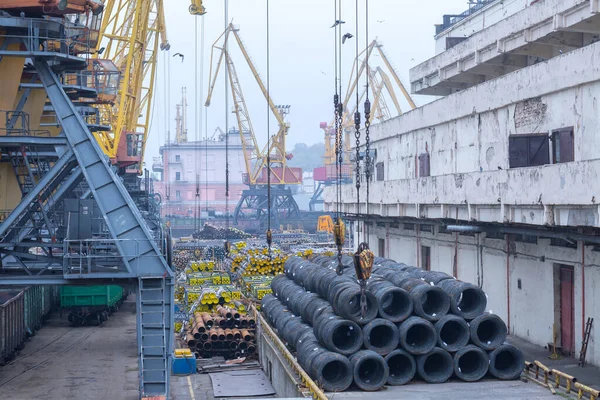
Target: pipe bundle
[
  {"x": 417, "y": 323},
  {"x": 225, "y": 332}
]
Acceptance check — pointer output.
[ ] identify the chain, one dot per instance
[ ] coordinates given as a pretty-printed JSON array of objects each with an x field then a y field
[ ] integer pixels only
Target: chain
[
  {"x": 368, "y": 160},
  {"x": 357, "y": 136}
]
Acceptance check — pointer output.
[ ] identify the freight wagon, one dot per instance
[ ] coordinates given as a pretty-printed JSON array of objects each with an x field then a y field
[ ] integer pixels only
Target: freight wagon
[
  {"x": 22, "y": 312},
  {"x": 91, "y": 304}
]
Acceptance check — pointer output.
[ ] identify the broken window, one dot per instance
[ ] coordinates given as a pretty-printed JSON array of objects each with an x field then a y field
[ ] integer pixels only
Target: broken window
[
  {"x": 528, "y": 150},
  {"x": 379, "y": 171},
  {"x": 424, "y": 164},
  {"x": 563, "y": 147}
]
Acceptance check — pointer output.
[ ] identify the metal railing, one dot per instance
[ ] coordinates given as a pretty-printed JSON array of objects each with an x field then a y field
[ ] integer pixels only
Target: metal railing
[
  {"x": 49, "y": 34},
  {"x": 450, "y": 20},
  {"x": 87, "y": 257}
]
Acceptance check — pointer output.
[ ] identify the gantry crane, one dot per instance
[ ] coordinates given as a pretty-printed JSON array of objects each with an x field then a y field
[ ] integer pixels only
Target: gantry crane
[
  {"x": 56, "y": 172},
  {"x": 254, "y": 200},
  {"x": 130, "y": 36},
  {"x": 380, "y": 84}
]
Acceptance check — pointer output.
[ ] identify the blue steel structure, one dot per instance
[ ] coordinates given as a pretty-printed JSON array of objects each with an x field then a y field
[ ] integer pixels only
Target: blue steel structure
[{"x": 35, "y": 245}]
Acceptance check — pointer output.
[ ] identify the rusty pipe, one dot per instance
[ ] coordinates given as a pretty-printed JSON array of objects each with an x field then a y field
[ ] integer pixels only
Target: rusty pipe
[
  {"x": 242, "y": 346},
  {"x": 237, "y": 335},
  {"x": 233, "y": 345},
  {"x": 251, "y": 349},
  {"x": 207, "y": 345},
  {"x": 208, "y": 320},
  {"x": 221, "y": 334},
  {"x": 190, "y": 339},
  {"x": 228, "y": 334},
  {"x": 224, "y": 312},
  {"x": 246, "y": 335},
  {"x": 214, "y": 336}
]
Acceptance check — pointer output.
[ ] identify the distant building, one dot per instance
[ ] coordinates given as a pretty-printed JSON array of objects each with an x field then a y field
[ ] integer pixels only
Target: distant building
[
  {"x": 507, "y": 158},
  {"x": 183, "y": 165}
]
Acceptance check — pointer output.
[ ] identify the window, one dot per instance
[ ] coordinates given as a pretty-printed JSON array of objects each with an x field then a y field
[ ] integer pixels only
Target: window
[
  {"x": 409, "y": 227},
  {"x": 178, "y": 195},
  {"x": 381, "y": 243},
  {"x": 494, "y": 235},
  {"x": 426, "y": 258},
  {"x": 177, "y": 176},
  {"x": 381, "y": 225},
  {"x": 379, "y": 171},
  {"x": 424, "y": 164},
  {"x": 528, "y": 150},
  {"x": 563, "y": 243},
  {"x": 563, "y": 148},
  {"x": 426, "y": 228},
  {"x": 526, "y": 239},
  {"x": 443, "y": 229},
  {"x": 177, "y": 158}
]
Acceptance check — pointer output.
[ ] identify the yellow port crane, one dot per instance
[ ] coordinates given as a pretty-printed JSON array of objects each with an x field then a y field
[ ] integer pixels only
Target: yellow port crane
[
  {"x": 257, "y": 164},
  {"x": 131, "y": 33},
  {"x": 196, "y": 8},
  {"x": 379, "y": 84}
]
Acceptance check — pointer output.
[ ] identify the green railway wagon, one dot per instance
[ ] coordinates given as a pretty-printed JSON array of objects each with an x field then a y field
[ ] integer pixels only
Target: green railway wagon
[{"x": 90, "y": 304}]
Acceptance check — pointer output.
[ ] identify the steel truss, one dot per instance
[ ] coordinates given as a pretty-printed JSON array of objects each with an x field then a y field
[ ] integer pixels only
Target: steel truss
[
  {"x": 35, "y": 246},
  {"x": 254, "y": 204}
]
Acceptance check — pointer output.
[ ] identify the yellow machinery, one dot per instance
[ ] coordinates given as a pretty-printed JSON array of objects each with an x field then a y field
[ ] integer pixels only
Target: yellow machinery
[
  {"x": 196, "y": 8},
  {"x": 255, "y": 158},
  {"x": 257, "y": 164},
  {"x": 325, "y": 224},
  {"x": 379, "y": 84},
  {"x": 130, "y": 36}
]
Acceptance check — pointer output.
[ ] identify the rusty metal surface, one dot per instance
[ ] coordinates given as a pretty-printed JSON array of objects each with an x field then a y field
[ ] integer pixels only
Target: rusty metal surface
[{"x": 241, "y": 383}]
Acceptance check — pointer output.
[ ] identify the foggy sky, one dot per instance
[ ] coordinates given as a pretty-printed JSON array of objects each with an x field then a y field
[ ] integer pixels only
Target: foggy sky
[{"x": 301, "y": 59}]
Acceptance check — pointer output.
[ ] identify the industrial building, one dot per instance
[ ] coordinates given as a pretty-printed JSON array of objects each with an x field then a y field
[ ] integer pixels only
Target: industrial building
[
  {"x": 494, "y": 182},
  {"x": 185, "y": 166}
]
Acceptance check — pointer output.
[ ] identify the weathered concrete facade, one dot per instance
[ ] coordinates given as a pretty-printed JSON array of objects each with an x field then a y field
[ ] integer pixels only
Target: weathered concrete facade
[{"x": 492, "y": 156}]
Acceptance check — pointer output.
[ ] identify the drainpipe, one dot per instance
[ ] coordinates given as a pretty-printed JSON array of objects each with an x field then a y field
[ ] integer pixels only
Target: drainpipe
[
  {"x": 508, "y": 281},
  {"x": 455, "y": 266},
  {"x": 418, "y": 226},
  {"x": 582, "y": 289},
  {"x": 387, "y": 240}
]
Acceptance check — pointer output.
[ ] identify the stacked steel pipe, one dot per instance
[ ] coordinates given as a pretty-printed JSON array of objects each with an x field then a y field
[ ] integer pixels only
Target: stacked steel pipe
[
  {"x": 417, "y": 323},
  {"x": 225, "y": 333}
]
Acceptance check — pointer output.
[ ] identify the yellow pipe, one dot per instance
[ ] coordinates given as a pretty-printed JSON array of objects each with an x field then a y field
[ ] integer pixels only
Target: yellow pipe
[
  {"x": 312, "y": 386},
  {"x": 593, "y": 393},
  {"x": 568, "y": 378}
]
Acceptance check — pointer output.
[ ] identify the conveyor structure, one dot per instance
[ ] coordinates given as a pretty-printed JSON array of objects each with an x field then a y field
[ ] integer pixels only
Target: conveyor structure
[{"x": 72, "y": 221}]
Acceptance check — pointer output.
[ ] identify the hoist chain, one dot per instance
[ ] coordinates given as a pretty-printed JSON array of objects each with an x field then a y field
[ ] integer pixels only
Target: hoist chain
[
  {"x": 339, "y": 229},
  {"x": 368, "y": 160}
]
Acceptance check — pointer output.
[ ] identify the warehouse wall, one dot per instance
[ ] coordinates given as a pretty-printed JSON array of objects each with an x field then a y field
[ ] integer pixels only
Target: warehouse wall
[{"x": 535, "y": 306}]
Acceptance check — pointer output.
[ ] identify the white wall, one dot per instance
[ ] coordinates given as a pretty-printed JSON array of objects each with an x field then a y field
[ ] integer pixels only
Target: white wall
[
  {"x": 532, "y": 308},
  {"x": 486, "y": 17},
  {"x": 467, "y": 135}
]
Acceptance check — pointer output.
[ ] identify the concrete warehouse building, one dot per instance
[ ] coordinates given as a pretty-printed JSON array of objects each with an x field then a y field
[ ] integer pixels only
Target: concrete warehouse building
[{"x": 497, "y": 181}]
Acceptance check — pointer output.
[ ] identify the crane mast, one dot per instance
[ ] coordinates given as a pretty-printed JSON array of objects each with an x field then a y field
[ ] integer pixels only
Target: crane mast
[
  {"x": 272, "y": 158},
  {"x": 131, "y": 34}
]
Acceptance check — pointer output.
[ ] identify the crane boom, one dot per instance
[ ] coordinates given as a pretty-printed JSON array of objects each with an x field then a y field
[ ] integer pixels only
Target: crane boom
[{"x": 256, "y": 159}]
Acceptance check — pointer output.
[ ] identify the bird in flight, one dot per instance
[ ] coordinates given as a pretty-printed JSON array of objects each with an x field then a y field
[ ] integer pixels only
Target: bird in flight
[
  {"x": 337, "y": 22},
  {"x": 180, "y": 55},
  {"x": 347, "y": 36}
]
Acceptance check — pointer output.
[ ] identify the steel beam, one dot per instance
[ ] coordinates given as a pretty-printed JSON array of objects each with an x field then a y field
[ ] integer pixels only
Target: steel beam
[{"x": 125, "y": 224}]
